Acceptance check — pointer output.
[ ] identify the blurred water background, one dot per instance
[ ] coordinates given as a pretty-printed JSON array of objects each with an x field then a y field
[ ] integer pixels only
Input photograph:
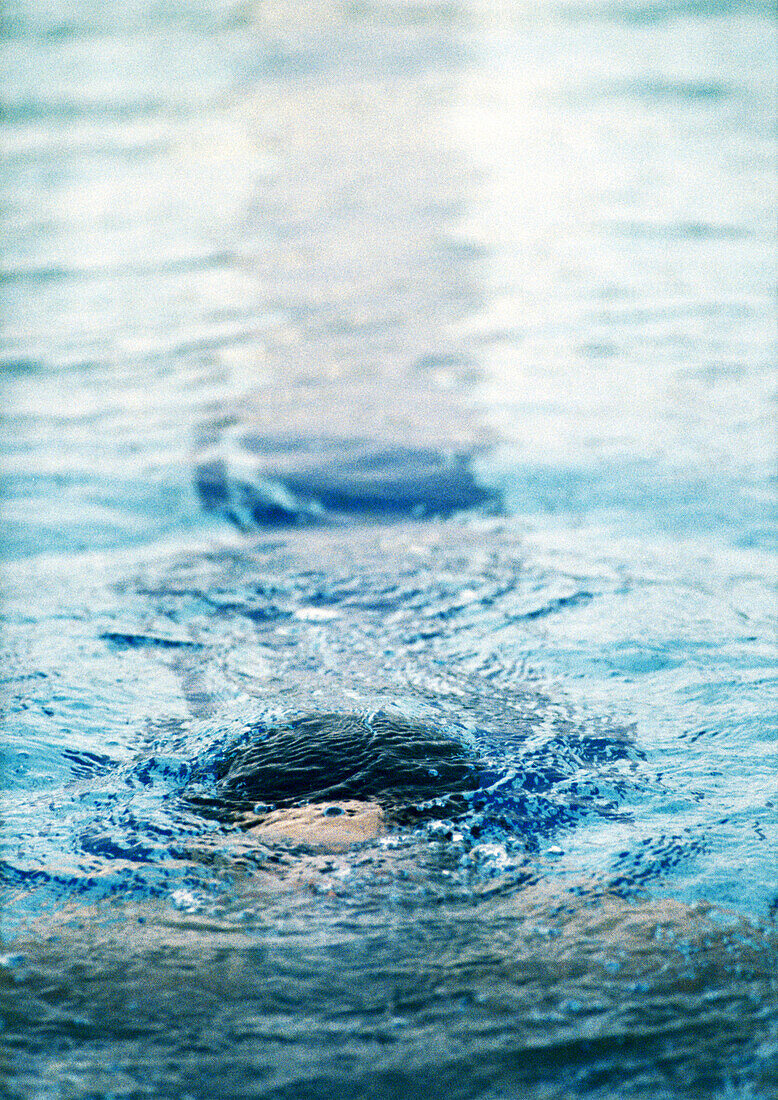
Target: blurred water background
[{"x": 547, "y": 227}]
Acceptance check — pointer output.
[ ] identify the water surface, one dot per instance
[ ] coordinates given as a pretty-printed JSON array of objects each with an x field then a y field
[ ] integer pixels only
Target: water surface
[{"x": 387, "y": 413}]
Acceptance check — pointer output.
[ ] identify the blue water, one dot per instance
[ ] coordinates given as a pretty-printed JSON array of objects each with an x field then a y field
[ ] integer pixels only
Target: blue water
[
  {"x": 540, "y": 233},
  {"x": 629, "y": 338}
]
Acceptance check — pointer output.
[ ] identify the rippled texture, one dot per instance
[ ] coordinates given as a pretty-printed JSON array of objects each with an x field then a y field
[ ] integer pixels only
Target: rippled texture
[
  {"x": 469, "y": 999},
  {"x": 293, "y": 481},
  {"x": 341, "y": 756},
  {"x": 386, "y": 392}
]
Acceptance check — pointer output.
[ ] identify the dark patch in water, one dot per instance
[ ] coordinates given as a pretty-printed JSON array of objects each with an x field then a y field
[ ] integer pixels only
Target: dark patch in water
[
  {"x": 648, "y": 12},
  {"x": 86, "y": 765},
  {"x": 21, "y": 876},
  {"x": 403, "y": 765},
  {"x": 678, "y": 89},
  {"x": 136, "y": 639},
  {"x": 558, "y": 604},
  {"x": 280, "y": 482},
  {"x": 654, "y": 857}
]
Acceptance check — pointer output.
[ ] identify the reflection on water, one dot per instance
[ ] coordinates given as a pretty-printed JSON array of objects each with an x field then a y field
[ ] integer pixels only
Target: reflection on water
[{"x": 386, "y": 417}]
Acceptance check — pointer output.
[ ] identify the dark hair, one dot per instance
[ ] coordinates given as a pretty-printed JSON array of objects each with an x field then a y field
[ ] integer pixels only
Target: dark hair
[{"x": 413, "y": 770}]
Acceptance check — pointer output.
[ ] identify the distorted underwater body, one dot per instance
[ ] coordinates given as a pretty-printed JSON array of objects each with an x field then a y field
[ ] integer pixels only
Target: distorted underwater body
[{"x": 387, "y": 521}]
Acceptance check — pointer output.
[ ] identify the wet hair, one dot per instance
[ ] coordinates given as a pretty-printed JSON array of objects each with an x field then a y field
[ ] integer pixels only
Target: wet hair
[{"x": 411, "y": 769}]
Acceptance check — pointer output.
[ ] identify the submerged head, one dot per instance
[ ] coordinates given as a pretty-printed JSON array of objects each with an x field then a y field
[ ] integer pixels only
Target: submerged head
[{"x": 409, "y": 769}]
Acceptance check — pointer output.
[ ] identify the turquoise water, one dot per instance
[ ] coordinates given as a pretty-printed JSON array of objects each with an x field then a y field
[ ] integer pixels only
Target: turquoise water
[{"x": 407, "y": 358}]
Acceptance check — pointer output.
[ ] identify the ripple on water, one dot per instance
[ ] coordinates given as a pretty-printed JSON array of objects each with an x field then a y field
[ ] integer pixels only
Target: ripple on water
[
  {"x": 271, "y": 482},
  {"x": 191, "y": 259}
]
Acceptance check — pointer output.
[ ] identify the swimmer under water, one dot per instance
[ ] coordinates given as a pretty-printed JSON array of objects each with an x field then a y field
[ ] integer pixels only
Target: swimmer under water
[
  {"x": 332, "y": 790},
  {"x": 355, "y": 945}
]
